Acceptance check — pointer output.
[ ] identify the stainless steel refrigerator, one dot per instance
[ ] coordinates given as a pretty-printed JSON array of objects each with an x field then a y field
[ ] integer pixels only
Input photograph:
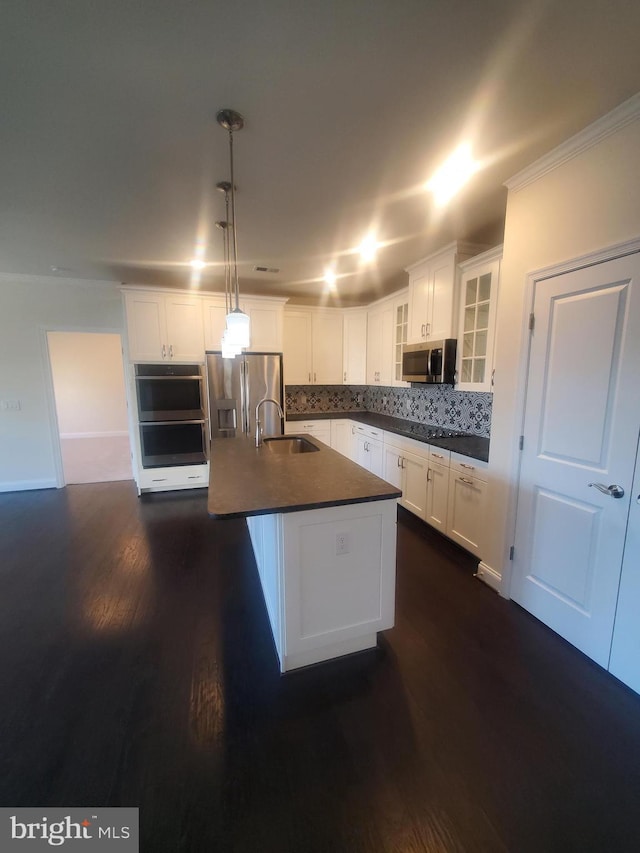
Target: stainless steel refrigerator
[{"x": 236, "y": 386}]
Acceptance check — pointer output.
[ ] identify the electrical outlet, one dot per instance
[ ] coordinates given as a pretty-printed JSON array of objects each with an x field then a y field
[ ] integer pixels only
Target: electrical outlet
[{"x": 342, "y": 544}]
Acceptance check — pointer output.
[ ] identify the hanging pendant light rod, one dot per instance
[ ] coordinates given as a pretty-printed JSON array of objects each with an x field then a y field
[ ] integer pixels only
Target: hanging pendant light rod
[
  {"x": 232, "y": 121},
  {"x": 224, "y": 187}
]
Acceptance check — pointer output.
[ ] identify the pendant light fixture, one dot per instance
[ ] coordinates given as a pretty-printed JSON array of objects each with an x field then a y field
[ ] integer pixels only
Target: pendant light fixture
[{"x": 237, "y": 326}]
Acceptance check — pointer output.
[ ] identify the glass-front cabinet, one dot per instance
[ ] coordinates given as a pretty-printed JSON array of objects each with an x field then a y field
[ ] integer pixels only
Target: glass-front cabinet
[
  {"x": 479, "y": 279},
  {"x": 400, "y": 334}
]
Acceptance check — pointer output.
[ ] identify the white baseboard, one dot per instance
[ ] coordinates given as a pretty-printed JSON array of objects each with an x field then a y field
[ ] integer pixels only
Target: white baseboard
[
  {"x": 489, "y": 576},
  {"x": 27, "y": 485}
]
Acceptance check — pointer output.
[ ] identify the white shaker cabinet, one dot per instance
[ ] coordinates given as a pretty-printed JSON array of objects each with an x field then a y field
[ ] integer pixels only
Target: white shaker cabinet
[
  {"x": 266, "y": 318},
  {"x": 433, "y": 293},
  {"x": 354, "y": 348},
  {"x": 369, "y": 448},
  {"x": 164, "y": 327},
  {"x": 467, "y": 503},
  {"x": 265, "y": 322},
  {"x": 313, "y": 347},
  {"x": 320, "y": 429},
  {"x": 380, "y": 344},
  {"x": 438, "y": 489},
  {"x": 406, "y": 465},
  {"x": 342, "y": 438}
]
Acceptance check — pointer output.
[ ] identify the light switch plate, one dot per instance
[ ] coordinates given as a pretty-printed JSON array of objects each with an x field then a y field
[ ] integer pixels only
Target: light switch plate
[{"x": 10, "y": 405}]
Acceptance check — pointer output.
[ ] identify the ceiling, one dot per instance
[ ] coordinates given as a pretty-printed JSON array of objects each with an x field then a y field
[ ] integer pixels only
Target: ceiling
[{"x": 110, "y": 151}]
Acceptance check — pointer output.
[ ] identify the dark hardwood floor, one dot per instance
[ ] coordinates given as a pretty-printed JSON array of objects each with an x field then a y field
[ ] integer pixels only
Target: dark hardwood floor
[{"x": 137, "y": 668}]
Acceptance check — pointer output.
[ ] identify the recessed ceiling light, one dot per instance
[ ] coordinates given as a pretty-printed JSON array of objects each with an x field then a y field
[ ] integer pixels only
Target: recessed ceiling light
[
  {"x": 330, "y": 279},
  {"x": 368, "y": 248},
  {"x": 452, "y": 174}
]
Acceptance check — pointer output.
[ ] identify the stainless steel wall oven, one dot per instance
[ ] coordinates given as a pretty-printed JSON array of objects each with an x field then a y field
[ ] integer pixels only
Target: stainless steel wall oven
[{"x": 171, "y": 414}]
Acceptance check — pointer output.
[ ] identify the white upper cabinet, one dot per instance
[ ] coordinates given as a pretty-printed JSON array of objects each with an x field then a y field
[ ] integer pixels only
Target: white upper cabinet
[
  {"x": 265, "y": 322},
  {"x": 215, "y": 320},
  {"x": 433, "y": 292},
  {"x": 354, "y": 347},
  {"x": 297, "y": 348},
  {"x": 479, "y": 280},
  {"x": 266, "y": 318},
  {"x": 313, "y": 347},
  {"x": 380, "y": 344},
  {"x": 164, "y": 327},
  {"x": 326, "y": 338}
]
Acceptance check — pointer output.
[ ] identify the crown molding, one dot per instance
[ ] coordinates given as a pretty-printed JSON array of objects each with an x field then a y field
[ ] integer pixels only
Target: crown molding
[{"x": 621, "y": 116}]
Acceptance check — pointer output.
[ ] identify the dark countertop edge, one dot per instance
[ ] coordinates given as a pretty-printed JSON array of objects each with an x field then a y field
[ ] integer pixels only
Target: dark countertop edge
[
  {"x": 474, "y": 446},
  {"x": 396, "y": 493}
]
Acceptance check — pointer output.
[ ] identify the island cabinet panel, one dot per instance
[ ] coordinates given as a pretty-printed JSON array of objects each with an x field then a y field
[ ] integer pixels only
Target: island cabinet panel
[
  {"x": 339, "y": 570},
  {"x": 266, "y": 538}
]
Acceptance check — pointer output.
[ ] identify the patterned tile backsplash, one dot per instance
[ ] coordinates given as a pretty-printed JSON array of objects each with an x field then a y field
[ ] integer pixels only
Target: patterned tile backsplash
[{"x": 436, "y": 404}]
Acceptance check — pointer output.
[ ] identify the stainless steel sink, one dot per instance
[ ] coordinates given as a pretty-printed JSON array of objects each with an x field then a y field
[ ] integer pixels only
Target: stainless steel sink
[{"x": 289, "y": 444}]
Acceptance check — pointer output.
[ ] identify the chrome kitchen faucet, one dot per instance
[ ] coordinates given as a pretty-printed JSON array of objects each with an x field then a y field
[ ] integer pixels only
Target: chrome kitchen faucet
[{"x": 258, "y": 427}]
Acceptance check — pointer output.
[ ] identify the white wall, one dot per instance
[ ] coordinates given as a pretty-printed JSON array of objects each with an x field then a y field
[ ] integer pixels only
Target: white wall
[
  {"x": 588, "y": 203},
  {"x": 29, "y": 306}
]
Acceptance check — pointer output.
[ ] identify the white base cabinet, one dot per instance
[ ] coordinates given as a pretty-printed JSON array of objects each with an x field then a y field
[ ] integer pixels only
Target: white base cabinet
[
  {"x": 342, "y": 437},
  {"x": 369, "y": 448},
  {"x": 467, "y": 503},
  {"x": 320, "y": 429},
  {"x": 322, "y": 604},
  {"x": 406, "y": 465},
  {"x": 170, "y": 479}
]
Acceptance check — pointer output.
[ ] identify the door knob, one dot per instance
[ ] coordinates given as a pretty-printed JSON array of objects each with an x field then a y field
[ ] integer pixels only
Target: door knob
[{"x": 613, "y": 491}]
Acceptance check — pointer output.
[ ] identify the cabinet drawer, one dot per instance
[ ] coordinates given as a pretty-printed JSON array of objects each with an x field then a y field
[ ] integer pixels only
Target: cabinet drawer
[
  {"x": 439, "y": 455},
  {"x": 178, "y": 477},
  {"x": 368, "y": 432},
  {"x": 469, "y": 467}
]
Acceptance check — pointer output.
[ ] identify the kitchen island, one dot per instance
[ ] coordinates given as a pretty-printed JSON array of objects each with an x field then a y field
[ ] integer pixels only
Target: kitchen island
[{"x": 323, "y": 532}]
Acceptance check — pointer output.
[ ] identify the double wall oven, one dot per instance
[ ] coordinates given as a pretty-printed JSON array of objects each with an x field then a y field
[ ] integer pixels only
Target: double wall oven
[{"x": 171, "y": 414}]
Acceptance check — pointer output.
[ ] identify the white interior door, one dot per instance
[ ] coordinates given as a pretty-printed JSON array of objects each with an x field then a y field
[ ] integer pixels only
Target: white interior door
[{"x": 581, "y": 428}]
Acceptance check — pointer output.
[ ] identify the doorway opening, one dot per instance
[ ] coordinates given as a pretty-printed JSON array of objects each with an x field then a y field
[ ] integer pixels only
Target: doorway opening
[{"x": 90, "y": 400}]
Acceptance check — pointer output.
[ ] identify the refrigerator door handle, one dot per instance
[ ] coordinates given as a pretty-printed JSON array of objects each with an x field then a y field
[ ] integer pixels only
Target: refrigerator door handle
[
  {"x": 247, "y": 397},
  {"x": 243, "y": 400}
]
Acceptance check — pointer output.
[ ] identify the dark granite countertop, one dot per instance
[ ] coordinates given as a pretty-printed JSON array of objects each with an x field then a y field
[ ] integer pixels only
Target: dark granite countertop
[
  {"x": 465, "y": 443},
  {"x": 249, "y": 480}
]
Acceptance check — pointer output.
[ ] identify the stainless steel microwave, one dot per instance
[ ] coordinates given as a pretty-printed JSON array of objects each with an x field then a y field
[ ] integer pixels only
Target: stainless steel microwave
[{"x": 433, "y": 362}]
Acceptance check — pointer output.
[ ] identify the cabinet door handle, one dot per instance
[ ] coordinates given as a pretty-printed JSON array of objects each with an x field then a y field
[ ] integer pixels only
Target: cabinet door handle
[
  {"x": 164, "y": 351},
  {"x": 315, "y": 378},
  {"x": 309, "y": 377},
  {"x": 170, "y": 350},
  {"x": 428, "y": 328},
  {"x": 428, "y": 475},
  {"x": 403, "y": 462},
  {"x": 398, "y": 461},
  {"x": 423, "y": 330},
  {"x": 468, "y": 482},
  {"x": 437, "y": 455},
  {"x": 345, "y": 376},
  {"x": 464, "y": 465}
]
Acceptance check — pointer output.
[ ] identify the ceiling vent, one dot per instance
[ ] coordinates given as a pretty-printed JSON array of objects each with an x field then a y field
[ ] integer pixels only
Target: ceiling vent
[{"x": 266, "y": 269}]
